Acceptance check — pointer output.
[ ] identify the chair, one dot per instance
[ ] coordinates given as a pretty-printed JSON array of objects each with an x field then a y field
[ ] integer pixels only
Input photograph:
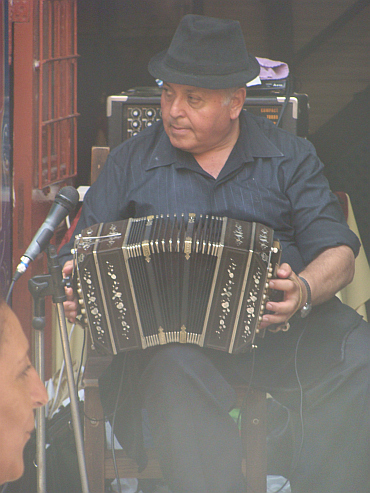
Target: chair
[
  {"x": 357, "y": 293},
  {"x": 99, "y": 460}
]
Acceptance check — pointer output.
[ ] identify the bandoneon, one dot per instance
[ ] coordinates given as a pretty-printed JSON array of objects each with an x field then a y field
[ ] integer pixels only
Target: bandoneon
[{"x": 192, "y": 279}]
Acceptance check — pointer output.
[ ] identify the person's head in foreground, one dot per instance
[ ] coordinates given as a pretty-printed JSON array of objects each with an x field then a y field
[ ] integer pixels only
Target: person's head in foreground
[{"x": 21, "y": 391}]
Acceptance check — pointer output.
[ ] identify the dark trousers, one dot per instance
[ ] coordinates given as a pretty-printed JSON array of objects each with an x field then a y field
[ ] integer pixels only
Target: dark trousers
[{"x": 186, "y": 393}]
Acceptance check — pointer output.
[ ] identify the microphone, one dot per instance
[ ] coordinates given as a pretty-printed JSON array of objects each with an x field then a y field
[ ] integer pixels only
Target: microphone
[{"x": 65, "y": 201}]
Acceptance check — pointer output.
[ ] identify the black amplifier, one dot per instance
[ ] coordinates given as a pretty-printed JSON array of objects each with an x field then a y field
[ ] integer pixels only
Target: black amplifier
[{"x": 130, "y": 112}]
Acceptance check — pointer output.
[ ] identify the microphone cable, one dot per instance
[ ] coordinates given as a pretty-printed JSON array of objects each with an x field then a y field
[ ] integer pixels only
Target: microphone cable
[
  {"x": 10, "y": 290},
  {"x": 301, "y": 417}
]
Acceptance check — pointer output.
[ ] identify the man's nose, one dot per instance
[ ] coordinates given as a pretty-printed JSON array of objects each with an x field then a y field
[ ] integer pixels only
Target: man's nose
[{"x": 177, "y": 107}]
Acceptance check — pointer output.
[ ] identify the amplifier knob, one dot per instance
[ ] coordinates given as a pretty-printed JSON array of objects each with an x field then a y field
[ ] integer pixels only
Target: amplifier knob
[{"x": 136, "y": 112}]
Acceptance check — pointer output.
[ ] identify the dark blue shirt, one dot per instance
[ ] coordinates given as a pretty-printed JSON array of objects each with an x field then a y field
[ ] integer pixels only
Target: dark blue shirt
[{"x": 271, "y": 176}]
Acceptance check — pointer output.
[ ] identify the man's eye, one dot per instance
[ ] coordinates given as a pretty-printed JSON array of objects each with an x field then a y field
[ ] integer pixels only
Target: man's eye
[{"x": 194, "y": 99}]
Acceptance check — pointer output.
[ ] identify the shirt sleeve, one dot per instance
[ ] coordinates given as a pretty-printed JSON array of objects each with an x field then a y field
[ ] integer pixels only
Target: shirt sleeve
[{"x": 317, "y": 216}]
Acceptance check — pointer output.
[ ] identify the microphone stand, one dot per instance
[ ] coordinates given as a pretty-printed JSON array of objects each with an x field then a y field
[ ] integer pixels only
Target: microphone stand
[{"x": 41, "y": 286}]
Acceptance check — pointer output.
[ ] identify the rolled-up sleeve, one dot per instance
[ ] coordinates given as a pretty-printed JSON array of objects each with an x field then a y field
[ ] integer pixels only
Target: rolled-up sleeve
[{"x": 317, "y": 216}]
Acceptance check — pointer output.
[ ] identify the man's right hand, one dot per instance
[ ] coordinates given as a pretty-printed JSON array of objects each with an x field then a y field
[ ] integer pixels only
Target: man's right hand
[{"x": 71, "y": 305}]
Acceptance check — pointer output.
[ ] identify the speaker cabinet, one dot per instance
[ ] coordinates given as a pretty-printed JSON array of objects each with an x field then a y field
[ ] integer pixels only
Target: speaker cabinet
[{"x": 130, "y": 112}]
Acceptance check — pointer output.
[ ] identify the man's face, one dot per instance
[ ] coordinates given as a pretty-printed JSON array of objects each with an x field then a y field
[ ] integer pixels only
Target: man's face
[
  {"x": 197, "y": 120},
  {"x": 21, "y": 391}
]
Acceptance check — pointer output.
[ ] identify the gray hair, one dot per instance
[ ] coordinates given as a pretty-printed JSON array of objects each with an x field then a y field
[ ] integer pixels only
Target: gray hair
[{"x": 229, "y": 93}]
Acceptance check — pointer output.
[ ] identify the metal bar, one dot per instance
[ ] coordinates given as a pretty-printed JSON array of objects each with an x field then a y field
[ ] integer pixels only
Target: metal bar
[
  {"x": 58, "y": 85},
  {"x": 40, "y": 416},
  {"x": 72, "y": 388},
  {"x": 68, "y": 49},
  {"x": 50, "y": 95},
  {"x": 71, "y": 45},
  {"x": 50, "y": 105},
  {"x": 328, "y": 32},
  {"x": 55, "y": 120},
  {"x": 75, "y": 87},
  {"x": 41, "y": 439},
  {"x": 58, "y": 59},
  {"x": 40, "y": 84}
]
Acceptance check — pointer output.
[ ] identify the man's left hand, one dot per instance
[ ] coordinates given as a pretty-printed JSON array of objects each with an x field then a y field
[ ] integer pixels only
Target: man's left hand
[{"x": 295, "y": 296}]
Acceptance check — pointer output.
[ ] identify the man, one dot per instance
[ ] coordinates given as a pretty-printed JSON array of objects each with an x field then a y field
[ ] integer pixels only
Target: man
[{"x": 210, "y": 157}]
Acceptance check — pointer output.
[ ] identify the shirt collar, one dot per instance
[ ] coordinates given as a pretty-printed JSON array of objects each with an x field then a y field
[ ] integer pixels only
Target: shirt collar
[
  {"x": 163, "y": 153},
  {"x": 252, "y": 143}
]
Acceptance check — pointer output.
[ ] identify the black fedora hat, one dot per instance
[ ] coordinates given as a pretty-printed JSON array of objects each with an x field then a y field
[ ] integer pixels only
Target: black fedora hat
[{"x": 206, "y": 52}]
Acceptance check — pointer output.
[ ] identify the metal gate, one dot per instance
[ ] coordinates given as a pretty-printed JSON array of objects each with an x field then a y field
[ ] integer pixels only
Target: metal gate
[
  {"x": 56, "y": 75},
  {"x": 44, "y": 61}
]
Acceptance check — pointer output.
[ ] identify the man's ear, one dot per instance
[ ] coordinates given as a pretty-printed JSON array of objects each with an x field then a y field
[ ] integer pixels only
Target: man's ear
[{"x": 237, "y": 102}]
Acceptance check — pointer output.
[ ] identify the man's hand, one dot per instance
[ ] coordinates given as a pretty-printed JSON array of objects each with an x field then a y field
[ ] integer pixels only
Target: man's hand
[
  {"x": 295, "y": 297},
  {"x": 71, "y": 305},
  {"x": 327, "y": 274}
]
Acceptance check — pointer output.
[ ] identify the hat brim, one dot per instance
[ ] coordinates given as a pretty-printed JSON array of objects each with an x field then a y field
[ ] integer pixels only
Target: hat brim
[{"x": 160, "y": 70}]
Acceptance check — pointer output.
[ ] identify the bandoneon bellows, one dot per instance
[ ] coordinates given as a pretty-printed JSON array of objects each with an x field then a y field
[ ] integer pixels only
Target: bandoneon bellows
[{"x": 192, "y": 279}]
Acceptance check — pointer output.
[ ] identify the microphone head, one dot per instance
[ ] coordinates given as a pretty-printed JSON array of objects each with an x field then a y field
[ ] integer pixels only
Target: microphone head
[{"x": 68, "y": 197}]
